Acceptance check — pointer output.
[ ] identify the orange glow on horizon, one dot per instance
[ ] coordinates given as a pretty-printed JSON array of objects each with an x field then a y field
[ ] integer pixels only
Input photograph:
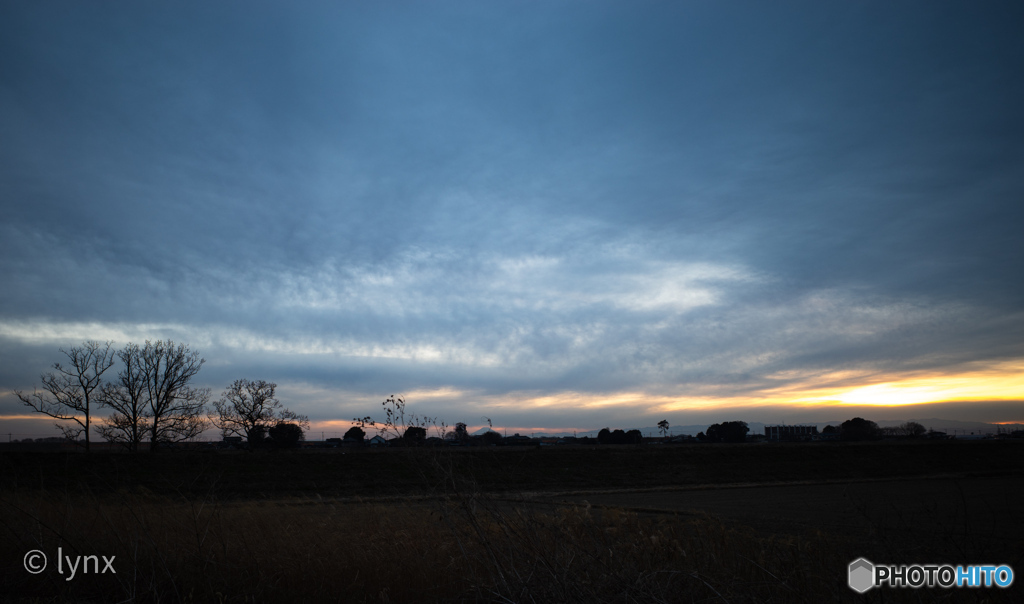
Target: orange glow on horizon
[
  {"x": 30, "y": 416},
  {"x": 789, "y": 391},
  {"x": 998, "y": 383}
]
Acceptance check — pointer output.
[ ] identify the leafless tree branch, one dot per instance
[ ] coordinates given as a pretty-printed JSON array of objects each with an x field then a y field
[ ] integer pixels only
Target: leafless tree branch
[
  {"x": 248, "y": 408},
  {"x": 68, "y": 390}
]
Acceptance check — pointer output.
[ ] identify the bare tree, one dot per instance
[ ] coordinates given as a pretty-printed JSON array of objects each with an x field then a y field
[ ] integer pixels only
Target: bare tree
[
  {"x": 249, "y": 409},
  {"x": 176, "y": 410},
  {"x": 912, "y": 429},
  {"x": 127, "y": 398},
  {"x": 68, "y": 391}
]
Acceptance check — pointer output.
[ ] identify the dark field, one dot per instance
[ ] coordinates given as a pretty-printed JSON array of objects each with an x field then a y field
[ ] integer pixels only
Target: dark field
[{"x": 737, "y": 523}]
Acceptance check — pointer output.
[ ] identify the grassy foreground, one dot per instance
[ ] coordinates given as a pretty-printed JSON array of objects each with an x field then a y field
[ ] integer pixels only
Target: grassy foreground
[
  {"x": 344, "y": 473},
  {"x": 458, "y": 550},
  {"x": 451, "y": 527}
]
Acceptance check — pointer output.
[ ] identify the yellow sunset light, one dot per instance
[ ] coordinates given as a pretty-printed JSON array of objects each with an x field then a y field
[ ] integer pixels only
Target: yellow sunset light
[{"x": 1001, "y": 383}]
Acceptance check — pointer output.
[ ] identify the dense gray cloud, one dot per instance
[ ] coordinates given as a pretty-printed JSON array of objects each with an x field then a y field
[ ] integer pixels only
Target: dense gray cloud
[{"x": 507, "y": 202}]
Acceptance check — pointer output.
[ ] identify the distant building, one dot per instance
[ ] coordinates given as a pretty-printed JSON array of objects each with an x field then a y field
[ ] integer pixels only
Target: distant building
[
  {"x": 518, "y": 440},
  {"x": 790, "y": 433}
]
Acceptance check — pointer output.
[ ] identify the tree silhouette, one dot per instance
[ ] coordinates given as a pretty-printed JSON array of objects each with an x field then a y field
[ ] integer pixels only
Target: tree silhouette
[
  {"x": 729, "y": 432},
  {"x": 355, "y": 433},
  {"x": 663, "y": 427},
  {"x": 68, "y": 391},
  {"x": 858, "y": 429},
  {"x": 249, "y": 408},
  {"x": 415, "y": 435},
  {"x": 127, "y": 398},
  {"x": 176, "y": 409},
  {"x": 912, "y": 429},
  {"x": 734, "y": 432},
  {"x": 286, "y": 435}
]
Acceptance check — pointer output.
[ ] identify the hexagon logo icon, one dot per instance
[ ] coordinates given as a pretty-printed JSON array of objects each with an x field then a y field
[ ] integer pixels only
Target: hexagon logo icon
[{"x": 861, "y": 575}]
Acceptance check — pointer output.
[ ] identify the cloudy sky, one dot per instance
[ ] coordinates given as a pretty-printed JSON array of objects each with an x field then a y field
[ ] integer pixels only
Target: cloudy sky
[{"x": 554, "y": 214}]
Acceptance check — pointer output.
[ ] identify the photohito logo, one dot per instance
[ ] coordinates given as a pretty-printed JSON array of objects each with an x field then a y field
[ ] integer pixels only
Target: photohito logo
[{"x": 864, "y": 574}]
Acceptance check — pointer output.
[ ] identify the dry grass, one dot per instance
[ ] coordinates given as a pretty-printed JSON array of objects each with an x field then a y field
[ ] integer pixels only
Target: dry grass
[
  {"x": 203, "y": 550},
  {"x": 457, "y": 543},
  {"x": 452, "y": 549}
]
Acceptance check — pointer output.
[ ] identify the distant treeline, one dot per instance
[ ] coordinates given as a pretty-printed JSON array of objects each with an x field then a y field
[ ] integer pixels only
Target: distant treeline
[{"x": 152, "y": 405}]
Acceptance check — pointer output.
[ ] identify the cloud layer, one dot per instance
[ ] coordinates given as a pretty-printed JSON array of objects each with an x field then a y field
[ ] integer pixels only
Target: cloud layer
[{"x": 566, "y": 209}]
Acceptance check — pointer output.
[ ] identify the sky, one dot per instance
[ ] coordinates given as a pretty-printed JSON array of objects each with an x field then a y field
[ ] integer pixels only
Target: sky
[{"x": 558, "y": 215}]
